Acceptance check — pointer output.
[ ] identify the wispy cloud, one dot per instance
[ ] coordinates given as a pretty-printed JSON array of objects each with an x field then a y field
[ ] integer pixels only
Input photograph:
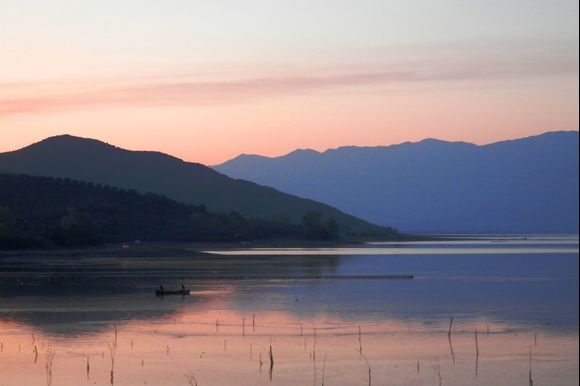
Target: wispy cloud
[{"x": 182, "y": 91}]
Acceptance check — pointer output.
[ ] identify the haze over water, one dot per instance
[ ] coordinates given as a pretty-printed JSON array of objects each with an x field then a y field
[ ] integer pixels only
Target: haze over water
[{"x": 520, "y": 295}]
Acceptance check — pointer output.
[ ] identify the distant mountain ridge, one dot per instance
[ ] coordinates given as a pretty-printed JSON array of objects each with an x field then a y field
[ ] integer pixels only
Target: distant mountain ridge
[
  {"x": 527, "y": 185},
  {"x": 98, "y": 162}
]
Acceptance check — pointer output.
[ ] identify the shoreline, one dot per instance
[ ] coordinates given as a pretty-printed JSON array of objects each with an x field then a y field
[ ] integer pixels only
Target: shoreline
[
  {"x": 196, "y": 249},
  {"x": 161, "y": 249},
  {"x": 191, "y": 249}
]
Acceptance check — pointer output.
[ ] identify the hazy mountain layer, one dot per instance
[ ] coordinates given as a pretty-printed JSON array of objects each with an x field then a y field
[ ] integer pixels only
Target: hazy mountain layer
[{"x": 525, "y": 185}]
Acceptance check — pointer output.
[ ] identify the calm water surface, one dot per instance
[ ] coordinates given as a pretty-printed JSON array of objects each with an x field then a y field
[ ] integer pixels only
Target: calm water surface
[{"x": 94, "y": 315}]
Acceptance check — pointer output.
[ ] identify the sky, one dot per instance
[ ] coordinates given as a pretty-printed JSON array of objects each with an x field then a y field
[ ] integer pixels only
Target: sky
[{"x": 208, "y": 80}]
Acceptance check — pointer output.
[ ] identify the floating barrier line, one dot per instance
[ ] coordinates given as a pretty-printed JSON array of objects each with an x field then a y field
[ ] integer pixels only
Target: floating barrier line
[{"x": 309, "y": 277}]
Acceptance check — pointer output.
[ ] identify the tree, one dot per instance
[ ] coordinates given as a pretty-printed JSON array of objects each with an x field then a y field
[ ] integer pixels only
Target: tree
[
  {"x": 75, "y": 229},
  {"x": 315, "y": 228}
]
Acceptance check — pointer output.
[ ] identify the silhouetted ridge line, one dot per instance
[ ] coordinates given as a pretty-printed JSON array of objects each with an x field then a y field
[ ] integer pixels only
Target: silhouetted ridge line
[
  {"x": 191, "y": 183},
  {"x": 527, "y": 185}
]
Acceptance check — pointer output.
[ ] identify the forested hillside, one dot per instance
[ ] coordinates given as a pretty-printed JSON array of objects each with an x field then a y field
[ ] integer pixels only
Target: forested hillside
[{"x": 40, "y": 211}]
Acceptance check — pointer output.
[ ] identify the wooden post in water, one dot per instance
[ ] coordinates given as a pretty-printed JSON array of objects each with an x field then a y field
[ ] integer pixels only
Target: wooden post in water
[
  {"x": 359, "y": 342},
  {"x": 271, "y": 362},
  {"x": 476, "y": 354},
  {"x": 112, "y": 350},
  {"x": 450, "y": 327},
  {"x": 115, "y": 336},
  {"x": 476, "y": 343},
  {"x": 323, "y": 369},
  {"x": 449, "y": 338},
  {"x": 531, "y": 381},
  {"x": 368, "y": 366}
]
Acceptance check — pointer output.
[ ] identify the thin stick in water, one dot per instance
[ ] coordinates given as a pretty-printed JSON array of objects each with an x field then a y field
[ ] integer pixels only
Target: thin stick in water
[
  {"x": 323, "y": 369},
  {"x": 368, "y": 366},
  {"x": 450, "y": 327},
  {"x": 437, "y": 369},
  {"x": 271, "y": 362},
  {"x": 449, "y": 338},
  {"x": 476, "y": 354},
  {"x": 112, "y": 351},
  {"x": 48, "y": 365},
  {"x": 476, "y": 343},
  {"x": 531, "y": 381},
  {"x": 190, "y": 377},
  {"x": 359, "y": 342}
]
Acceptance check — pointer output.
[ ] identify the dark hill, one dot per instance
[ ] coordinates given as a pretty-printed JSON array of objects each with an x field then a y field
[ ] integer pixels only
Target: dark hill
[
  {"x": 95, "y": 161},
  {"x": 38, "y": 211}
]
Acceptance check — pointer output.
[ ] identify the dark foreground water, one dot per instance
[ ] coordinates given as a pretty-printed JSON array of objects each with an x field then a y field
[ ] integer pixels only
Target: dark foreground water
[{"x": 95, "y": 321}]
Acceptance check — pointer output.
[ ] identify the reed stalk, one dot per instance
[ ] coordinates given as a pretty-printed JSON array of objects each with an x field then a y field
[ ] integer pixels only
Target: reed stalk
[
  {"x": 368, "y": 366},
  {"x": 271, "y": 356},
  {"x": 323, "y": 369},
  {"x": 49, "y": 360},
  {"x": 437, "y": 369},
  {"x": 190, "y": 377},
  {"x": 530, "y": 380}
]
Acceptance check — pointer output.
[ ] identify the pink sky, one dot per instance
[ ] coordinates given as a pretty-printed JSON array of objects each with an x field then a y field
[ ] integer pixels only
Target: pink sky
[{"x": 208, "y": 82}]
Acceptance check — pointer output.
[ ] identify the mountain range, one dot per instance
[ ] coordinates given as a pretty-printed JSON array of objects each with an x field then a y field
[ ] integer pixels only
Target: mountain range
[
  {"x": 97, "y": 162},
  {"x": 527, "y": 185}
]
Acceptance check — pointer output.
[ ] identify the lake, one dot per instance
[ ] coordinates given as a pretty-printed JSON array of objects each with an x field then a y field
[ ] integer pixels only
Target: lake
[{"x": 489, "y": 311}]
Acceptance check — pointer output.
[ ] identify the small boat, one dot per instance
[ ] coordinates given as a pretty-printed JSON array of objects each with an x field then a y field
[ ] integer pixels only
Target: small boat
[{"x": 182, "y": 292}]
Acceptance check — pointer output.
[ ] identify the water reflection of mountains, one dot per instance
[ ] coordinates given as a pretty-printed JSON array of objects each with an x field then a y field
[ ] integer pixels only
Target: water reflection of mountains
[
  {"x": 77, "y": 296},
  {"x": 83, "y": 295}
]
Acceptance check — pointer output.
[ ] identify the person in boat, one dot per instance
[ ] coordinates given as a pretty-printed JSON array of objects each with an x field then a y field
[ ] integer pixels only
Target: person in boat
[
  {"x": 161, "y": 288},
  {"x": 182, "y": 287}
]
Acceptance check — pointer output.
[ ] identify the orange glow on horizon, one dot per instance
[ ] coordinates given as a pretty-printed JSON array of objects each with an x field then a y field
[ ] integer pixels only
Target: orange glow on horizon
[{"x": 206, "y": 82}]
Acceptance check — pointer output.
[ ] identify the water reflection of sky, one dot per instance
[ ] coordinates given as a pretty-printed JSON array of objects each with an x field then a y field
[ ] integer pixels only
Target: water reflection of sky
[{"x": 84, "y": 295}]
